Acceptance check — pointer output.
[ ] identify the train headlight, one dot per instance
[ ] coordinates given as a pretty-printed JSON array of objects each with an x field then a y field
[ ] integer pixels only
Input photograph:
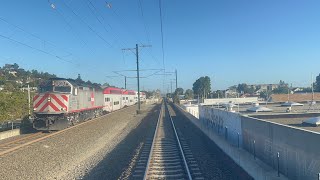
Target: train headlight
[
  {"x": 34, "y": 109},
  {"x": 49, "y": 99}
]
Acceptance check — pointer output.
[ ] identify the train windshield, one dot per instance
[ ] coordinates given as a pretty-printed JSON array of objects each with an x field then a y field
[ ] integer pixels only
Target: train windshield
[
  {"x": 66, "y": 89},
  {"x": 44, "y": 89}
]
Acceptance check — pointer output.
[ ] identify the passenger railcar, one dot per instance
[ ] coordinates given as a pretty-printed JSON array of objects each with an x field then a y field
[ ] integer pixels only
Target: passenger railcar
[
  {"x": 116, "y": 98},
  {"x": 112, "y": 99},
  {"x": 61, "y": 103}
]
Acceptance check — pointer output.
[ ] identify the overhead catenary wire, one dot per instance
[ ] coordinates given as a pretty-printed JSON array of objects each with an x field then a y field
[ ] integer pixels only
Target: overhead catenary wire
[
  {"x": 124, "y": 23},
  {"x": 60, "y": 13},
  {"x": 37, "y": 49},
  {"x": 91, "y": 29},
  {"x": 144, "y": 23},
  {"x": 96, "y": 11},
  {"x": 75, "y": 33},
  {"x": 161, "y": 28},
  {"x": 35, "y": 36}
]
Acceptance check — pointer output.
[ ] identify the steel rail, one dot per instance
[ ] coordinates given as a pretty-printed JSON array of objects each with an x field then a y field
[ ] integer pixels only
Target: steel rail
[
  {"x": 153, "y": 142},
  {"x": 19, "y": 140},
  {"x": 180, "y": 147}
]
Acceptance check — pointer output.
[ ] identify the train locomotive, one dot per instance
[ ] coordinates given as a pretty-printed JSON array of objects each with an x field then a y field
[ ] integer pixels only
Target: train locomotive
[{"x": 61, "y": 103}]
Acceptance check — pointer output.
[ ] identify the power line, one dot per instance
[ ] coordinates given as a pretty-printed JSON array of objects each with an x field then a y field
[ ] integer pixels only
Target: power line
[
  {"x": 37, "y": 49},
  {"x": 161, "y": 26},
  {"x": 68, "y": 24},
  {"x": 140, "y": 70},
  {"x": 95, "y": 32},
  {"x": 97, "y": 11},
  {"x": 114, "y": 11},
  {"x": 144, "y": 23},
  {"x": 35, "y": 36}
]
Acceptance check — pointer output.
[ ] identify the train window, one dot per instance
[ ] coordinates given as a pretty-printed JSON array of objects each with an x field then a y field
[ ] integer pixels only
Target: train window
[
  {"x": 116, "y": 103},
  {"x": 62, "y": 89},
  {"x": 127, "y": 98},
  {"x": 44, "y": 89}
]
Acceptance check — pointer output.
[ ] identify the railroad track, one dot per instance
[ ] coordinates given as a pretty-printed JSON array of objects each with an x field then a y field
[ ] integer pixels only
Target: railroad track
[
  {"x": 166, "y": 157},
  {"x": 19, "y": 143}
]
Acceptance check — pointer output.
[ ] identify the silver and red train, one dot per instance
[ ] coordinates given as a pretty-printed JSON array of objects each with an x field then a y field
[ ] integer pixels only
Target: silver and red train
[{"x": 61, "y": 103}]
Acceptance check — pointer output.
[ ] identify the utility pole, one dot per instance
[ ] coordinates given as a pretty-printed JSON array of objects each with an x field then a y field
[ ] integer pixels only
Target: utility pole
[
  {"x": 29, "y": 101},
  {"x": 176, "y": 79},
  {"x": 171, "y": 87},
  {"x": 125, "y": 82},
  {"x": 138, "y": 72},
  {"x": 138, "y": 77}
]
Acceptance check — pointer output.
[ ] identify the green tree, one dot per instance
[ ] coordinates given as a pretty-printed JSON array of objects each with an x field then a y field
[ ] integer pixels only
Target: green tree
[
  {"x": 218, "y": 94},
  {"x": 317, "y": 84},
  {"x": 179, "y": 91},
  {"x": 9, "y": 87},
  {"x": 188, "y": 94},
  {"x": 245, "y": 89},
  {"x": 202, "y": 87},
  {"x": 79, "y": 80},
  {"x": 106, "y": 84},
  {"x": 15, "y": 66},
  {"x": 282, "y": 89}
]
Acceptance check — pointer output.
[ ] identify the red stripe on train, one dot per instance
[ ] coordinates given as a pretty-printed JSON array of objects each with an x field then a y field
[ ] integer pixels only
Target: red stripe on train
[
  {"x": 41, "y": 100},
  {"x": 53, "y": 106},
  {"x": 44, "y": 107},
  {"x": 58, "y": 101},
  {"x": 35, "y": 97},
  {"x": 49, "y": 104},
  {"x": 65, "y": 97}
]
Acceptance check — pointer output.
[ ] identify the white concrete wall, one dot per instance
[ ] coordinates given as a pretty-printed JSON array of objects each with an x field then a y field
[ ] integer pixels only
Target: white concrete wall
[
  {"x": 233, "y": 100},
  {"x": 192, "y": 109},
  {"x": 256, "y": 168},
  {"x": 225, "y": 123},
  {"x": 9, "y": 133}
]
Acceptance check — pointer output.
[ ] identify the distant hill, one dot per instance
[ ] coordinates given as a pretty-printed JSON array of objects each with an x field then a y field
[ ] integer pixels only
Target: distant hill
[{"x": 12, "y": 77}]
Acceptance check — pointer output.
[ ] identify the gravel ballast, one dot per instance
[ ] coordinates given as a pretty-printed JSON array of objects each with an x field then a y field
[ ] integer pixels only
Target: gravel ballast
[{"x": 75, "y": 152}]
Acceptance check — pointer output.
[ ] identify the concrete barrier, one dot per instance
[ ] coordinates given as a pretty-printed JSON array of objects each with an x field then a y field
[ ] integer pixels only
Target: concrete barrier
[
  {"x": 255, "y": 167},
  {"x": 223, "y": 123},
  {"x": 9, "y": 133},
  {"x": 299, "y": 150},
  {"x": 192, "y": 109},
  {"x": 233, "y": 100}
]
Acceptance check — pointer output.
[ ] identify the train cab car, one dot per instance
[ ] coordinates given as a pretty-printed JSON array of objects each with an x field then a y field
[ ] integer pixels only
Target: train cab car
[
  {"x": 124, "y": 98},
  {"x": 131, "y": 95},
  {"x": 112, "y": 99},
  {"x": 143, "y": 97},
  {"x": 61, "y": 103}
]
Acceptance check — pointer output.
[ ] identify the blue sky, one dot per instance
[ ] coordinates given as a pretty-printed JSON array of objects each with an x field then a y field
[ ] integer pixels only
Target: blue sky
[{"x": 230, "y": 41}]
